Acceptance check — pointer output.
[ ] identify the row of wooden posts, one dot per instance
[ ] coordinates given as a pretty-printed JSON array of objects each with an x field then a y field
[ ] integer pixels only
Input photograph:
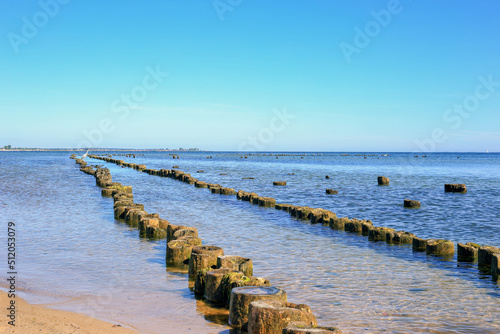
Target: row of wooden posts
[
  {"x": 254, "y": 305},
  {"x": 487, "y": 257}
]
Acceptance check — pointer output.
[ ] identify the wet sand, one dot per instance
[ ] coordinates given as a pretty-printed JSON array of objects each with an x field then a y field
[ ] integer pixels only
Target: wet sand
[{"x": 39, "y": 319}]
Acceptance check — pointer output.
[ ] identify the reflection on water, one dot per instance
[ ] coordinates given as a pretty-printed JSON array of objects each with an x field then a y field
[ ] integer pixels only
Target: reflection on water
[
  {"x": 211, "y": 312},
  {"x": 73, "y": 252}
]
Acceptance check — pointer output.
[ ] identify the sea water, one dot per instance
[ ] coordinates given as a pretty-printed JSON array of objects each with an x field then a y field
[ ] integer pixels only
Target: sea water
[{"x": 73, "y": 255}]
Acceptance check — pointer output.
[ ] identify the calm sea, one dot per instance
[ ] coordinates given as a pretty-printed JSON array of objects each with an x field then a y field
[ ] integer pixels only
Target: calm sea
[{"x": 73, "y": 255}]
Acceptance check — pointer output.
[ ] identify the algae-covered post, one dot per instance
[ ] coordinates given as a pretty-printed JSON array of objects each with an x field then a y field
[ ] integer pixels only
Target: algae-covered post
[
  {"x": 383, "y": 181},
  {"x": 236, "y": 280},
  {"x": 185, "y": 232},
  {"x": 467, "y": 252},
  {"x": 194, "y": 241},
  {"x": 178, "y": 252},
  {"x": 320, "y": 216},
  {"x": 242, "y": 297},
  {"x": 440, "y": 247},
  {"x": 455, "y": 188},
  {"x": 419, "y": 244},
  {"x": 412, "y": 204},
  {"x": 356, "y": 225},
  {"x": 200, "y": 184},
  {"x": 402, "y": 237},
  {"x": 267, "y": 202},
  {"x": 227, "y": 191},
  {"x": 214, "y": 290},
  {"x": 203, "y": 257},
  {"x": 171, "y": 229},
  {"x": 234, "y": 262},
  {"x": 215, "y": 190},
  {"x": 485, "y": 255},
  {"x": 379, "y": 233},
  {"x": 338, "y": 223},
  {"x": 270, "y": 316}
]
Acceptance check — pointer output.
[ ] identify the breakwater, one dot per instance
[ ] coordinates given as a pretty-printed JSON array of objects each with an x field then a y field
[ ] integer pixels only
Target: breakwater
[
  {"x": 218, "y": 277},
  {"x": 487, "y": 256}
]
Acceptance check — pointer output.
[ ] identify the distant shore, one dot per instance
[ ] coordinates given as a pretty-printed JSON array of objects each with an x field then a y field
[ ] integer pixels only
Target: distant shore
[{"x": 95, "y": 150}]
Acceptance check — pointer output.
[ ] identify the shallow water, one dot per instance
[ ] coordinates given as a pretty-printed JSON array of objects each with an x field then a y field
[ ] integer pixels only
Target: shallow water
[{"x": 73, "y": 254}]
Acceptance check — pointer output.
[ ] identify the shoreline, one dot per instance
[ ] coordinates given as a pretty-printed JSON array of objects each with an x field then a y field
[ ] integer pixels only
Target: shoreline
[{"x": 32, "y": 318}]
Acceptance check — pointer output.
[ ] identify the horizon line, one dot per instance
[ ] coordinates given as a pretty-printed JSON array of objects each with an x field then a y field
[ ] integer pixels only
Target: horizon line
[{"x": 20, "y": 149}]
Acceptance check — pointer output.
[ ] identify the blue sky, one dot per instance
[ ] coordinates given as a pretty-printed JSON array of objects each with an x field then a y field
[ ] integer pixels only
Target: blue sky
[{"x": 231, "y": 74}]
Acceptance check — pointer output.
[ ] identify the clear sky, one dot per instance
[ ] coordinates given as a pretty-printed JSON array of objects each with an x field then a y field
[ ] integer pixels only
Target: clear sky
[{"x": 293, "y": 75}]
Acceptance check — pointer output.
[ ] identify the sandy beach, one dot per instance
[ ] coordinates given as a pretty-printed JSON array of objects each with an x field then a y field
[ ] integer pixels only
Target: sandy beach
[{"x": 39, "y": 319}]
